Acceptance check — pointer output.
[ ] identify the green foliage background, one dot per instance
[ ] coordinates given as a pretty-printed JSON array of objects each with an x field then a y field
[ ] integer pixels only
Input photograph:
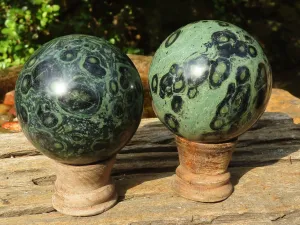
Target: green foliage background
[{"x": 138, "y": 27}]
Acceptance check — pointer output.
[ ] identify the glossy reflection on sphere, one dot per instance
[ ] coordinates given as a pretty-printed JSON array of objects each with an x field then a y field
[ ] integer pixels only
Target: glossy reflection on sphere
[
  {"x": 79, "y": 99},
  {"x": 210, "y": 81}
]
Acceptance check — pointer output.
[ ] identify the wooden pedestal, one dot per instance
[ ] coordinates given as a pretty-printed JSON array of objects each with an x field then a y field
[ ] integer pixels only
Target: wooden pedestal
[
  {"x": 202, "y": 174},
  {"x": 84, "y": 190}
]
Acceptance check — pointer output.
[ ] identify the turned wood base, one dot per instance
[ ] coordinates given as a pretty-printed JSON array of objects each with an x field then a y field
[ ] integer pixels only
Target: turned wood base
[
  {"x": 202, "y": 174},
  {"x": 84, "y": 190}
]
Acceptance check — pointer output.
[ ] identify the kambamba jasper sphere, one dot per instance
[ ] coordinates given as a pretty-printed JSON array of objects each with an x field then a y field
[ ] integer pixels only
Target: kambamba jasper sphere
[
  {"x": 79, "y": 99},
  {"x": 210, "y": 81}
]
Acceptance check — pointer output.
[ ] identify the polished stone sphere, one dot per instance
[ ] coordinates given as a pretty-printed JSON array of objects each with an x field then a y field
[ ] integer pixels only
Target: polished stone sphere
[
  {"x": 210, "y": 81},
  {"x": 79, "y": 99}
]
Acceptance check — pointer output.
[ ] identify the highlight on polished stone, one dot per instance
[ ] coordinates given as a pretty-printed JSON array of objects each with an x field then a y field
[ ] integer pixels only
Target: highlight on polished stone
[
  {"x": 79, "y": 99},
  {"x": 210, "y": 81}
]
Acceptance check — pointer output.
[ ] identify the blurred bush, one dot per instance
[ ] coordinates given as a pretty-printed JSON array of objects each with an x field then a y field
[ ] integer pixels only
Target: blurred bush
[
  {"x": 139, "y": 27},
  {"x": 21, "y": 23}
]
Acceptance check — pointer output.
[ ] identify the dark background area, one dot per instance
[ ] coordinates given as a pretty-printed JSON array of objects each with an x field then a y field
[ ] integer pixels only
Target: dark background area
[{"x": 138, "y": 27}]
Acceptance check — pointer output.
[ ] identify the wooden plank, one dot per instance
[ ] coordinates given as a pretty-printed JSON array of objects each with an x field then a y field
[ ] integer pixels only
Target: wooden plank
[
  {"x": 266, "y": 195},
  {"x": 143, "y": 171}
]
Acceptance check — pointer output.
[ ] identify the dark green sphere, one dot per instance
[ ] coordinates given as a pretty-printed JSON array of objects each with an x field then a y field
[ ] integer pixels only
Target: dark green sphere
[
  {"x": 79, "y": 99},
  {"x": 210, "y": 81}
]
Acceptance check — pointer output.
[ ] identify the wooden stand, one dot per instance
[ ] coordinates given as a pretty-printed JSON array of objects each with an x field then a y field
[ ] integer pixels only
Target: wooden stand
[
  {"x": 202, "y": 174},
  {"x": 84, "y": 190}
]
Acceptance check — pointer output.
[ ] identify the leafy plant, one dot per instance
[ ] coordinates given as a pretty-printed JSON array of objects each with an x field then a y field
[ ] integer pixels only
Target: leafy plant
[{"x": 21, "y": 24}]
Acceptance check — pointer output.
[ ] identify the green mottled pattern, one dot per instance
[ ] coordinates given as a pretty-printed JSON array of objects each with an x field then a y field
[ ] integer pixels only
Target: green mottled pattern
[
  {"x": 79, "y": 99},
  {"x": 210, "y": 81}
]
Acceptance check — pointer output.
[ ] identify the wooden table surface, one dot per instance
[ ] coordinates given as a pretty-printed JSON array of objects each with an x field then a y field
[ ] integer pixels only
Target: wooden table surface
[{"x": 265, "y": 172}]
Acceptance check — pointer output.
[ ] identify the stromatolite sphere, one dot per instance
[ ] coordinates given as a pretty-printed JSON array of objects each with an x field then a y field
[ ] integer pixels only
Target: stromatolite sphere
[
  {"x": 210, "y": 81},
  {"x": 79, "y": 99}
]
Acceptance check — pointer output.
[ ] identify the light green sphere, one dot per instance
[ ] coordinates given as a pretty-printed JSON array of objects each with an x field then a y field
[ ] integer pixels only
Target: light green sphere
[{"x": 210, "y": 81}]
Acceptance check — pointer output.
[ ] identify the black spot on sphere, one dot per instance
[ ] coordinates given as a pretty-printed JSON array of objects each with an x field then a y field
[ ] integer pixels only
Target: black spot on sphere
[
  {"x": 165, "y": 85},
  {"x": 171, "y": 122},
  {"x": 113, "y": 87},
  {"x": 176, "y": 104},
  {"x": 241, "y": 49},
  {"x": 252, "y": 51},
  {"x": 242, "y": 75},
  {"x": 26, "y": 84},
  {"x": 154, "y": 83},
  {"x": 232, "y": 107},
  {"x": 224, "y": 36},
  {"x": 24, "y": 114},
  {"x": 219, "y": 72},
  {"x": 79, "y": 98},
  {"x": 192, "y": 92},
  {"x": 226, "y": 50},
  {"x": 225, "y": 41},
  {"x": 172, "y": 38},
  {"x": 92, "y": 65},
  {"x": 68, "y": 55}
]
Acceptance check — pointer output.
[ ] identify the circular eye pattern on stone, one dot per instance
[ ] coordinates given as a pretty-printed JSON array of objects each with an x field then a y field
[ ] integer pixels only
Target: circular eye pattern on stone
[
  {"x": 92, "y": 65},
  {"x": 172, "y": 38},
  {"x": 192, "y": 92},
  {"x": 171, "y": 122},
  {"x": 113, "y": 87},
  {"x": 241, "y": 49},
  {"x": 176, "y": 104},
  {"x": 252, "y": 51},
  {"x": 80, "y": 98},
  {"x": 154, "y": 83},
  {"x": 26, "y": 84},
  {"x": 68, "y": 55},
  {"x": 243, "y": 74},
  {"x": 219, "y": 72}
]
